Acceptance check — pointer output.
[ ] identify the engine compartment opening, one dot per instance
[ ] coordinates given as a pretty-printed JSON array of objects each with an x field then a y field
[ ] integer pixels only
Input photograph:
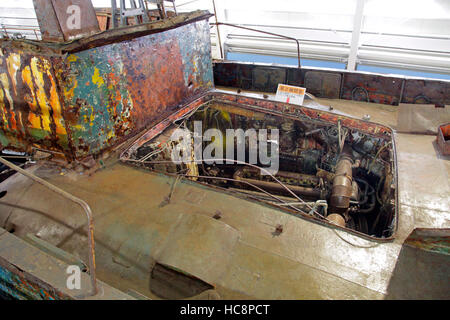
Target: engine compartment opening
[{"x": 325, "y": 170}]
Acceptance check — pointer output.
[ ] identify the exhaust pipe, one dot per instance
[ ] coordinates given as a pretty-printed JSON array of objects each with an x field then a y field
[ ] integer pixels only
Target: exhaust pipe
[{"x": 341, "y": 191}]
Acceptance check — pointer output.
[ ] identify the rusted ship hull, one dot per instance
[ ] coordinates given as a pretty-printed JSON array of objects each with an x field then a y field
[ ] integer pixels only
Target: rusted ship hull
[{"x": 84, "y": 98}]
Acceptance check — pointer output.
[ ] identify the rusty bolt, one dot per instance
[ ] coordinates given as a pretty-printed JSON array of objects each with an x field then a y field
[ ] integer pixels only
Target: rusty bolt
[
  {"x": 217, "y": 215},
  {"x": 279, "y": 229}
]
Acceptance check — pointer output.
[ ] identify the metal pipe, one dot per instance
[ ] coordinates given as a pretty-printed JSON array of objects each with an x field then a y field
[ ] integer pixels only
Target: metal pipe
[
  {"x": 245, "y": 182},
  {"x": 302, "y": 191},
  {"x": 350, "y": 31},
  {"x": 217, "y": 27},
  {"x": 286, "y": 174},
  {"x": 298, "y": 176},
  {"x": 78, "y": 201},
  {"x": 265, "y": 32}
]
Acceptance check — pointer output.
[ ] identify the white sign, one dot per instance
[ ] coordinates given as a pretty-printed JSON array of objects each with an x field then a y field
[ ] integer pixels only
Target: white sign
[{"x": 290, "y": 94}]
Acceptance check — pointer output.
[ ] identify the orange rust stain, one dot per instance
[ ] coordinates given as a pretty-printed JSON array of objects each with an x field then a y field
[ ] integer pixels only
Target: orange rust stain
[
  {"x": 34, "y": 119},
  {"x": 113, "y": 78},
  {"x": 13, "y": 121},
  {"x": 56, "y": 106},
  {"x": 166, "y": 89},
  {"x": 39, "y": 68},
  {"x": 40, "y": 93}
]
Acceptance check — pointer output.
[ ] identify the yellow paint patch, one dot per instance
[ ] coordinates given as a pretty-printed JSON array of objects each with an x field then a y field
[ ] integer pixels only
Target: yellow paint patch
[
  {"x": 89, "y": 114},
  {"x": 72, "y": 58},
  {"x": 97, "y": 79},
  {"x": 55, "y": 103},
  {"x": 2, "y": 109},
  {"x": 110, "y": 134},
  {"x": 26, "y": 77},
  {"x": 34, "y": 119},
  {"x": 40, "y": 93},
  {"x": 39, "y": 68},
  {"x": 5, "y": 83},
  {"x": 13, "y": 65}
]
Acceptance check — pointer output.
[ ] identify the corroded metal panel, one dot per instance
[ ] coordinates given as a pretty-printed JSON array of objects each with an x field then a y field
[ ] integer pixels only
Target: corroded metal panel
[
  {"x": 290, "y": 110},
  {"x": 371, "y": 88},
  {"x": 267, "y": 79},
  {"x": 66, "y": 12},
  {"x": 17, "y": 286},
  {"x": 118, "y": 89},
  {"x": 323, "y": 84},
  {"x": 421, "y": 269},
  {"x": 91, "y": 99},
  {"x": 30, "y": 106},
  {"x": 328, "y": 83},
  {"x": 48, "y": 21},
  {"x": 434, "y": 240},
  {"x": 233, "y": 75},
  {"x": 426, "y": 91}
]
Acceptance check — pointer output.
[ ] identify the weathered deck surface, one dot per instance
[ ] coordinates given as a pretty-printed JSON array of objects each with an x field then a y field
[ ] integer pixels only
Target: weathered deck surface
[{"x": 239, "y": 253}]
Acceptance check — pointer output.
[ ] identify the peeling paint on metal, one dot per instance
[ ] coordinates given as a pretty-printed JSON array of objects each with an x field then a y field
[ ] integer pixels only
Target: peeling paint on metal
[
  {"x": 333, "y": 84},
  {"x": 121, "y": 88},
  {"x": 85, "y": 102},
  {"x": 434, "y": 240},
  {"x": 20, "y": 288}
]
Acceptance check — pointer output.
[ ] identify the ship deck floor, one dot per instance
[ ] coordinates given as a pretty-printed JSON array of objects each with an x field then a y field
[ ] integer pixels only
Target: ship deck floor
[{"x": 239, "y": 254}]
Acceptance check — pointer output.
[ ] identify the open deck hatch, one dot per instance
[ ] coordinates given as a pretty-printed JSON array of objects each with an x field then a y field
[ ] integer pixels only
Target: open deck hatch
[{"x": 331, "y": 168}]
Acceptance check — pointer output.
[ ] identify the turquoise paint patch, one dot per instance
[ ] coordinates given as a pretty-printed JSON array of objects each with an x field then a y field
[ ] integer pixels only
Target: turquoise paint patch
[
  {"x": 96, "y": 123},
  {"x": 11, "y": 285},
  {"x": 195, "y": 48}
]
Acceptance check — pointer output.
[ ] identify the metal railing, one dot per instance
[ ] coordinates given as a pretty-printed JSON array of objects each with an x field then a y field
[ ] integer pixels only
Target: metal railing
[
  {"x": 26, "y": 31},
  {"x": 78, "y": 201},
  {"x": 260, "y": 31}
]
